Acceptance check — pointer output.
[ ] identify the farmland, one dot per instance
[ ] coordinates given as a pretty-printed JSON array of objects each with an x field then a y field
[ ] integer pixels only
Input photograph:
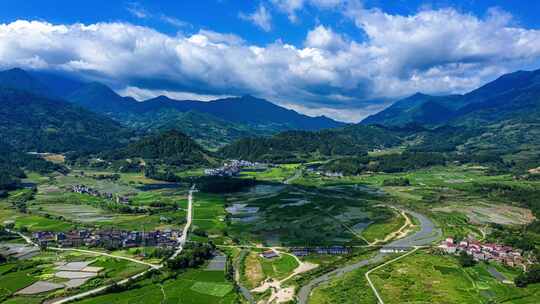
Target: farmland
[
  {"x": 311, "y": 211},
  {"x": 446, "y": 281},
  {"x": 43, "y": 267},
  {"x": 194, "y": 286}
]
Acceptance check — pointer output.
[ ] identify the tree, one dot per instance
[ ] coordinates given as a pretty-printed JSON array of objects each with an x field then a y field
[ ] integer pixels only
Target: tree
[
  {"x": 466, "y": 260},
  {"x": 530, "y": 277}
]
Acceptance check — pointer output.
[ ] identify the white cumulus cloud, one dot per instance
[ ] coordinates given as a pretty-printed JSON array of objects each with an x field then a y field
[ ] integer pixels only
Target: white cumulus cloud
[{"x": 432, "y": 51}]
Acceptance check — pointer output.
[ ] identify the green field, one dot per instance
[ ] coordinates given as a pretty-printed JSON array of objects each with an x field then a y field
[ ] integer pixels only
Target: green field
[
  {"x": 213, "y": 289},
  {"x": 380, "y": 229},
  {"x": 351, "y": 288},
  {"x": 274, "y": 174},
  {"x": 278, "y": 268},
  {"x": 20, "y": 274},
  {"x": 195, "y": 286},
  {"x": 427, "y": 278}
]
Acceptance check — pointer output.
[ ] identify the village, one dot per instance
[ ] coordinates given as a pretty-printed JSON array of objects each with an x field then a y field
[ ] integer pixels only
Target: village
[
  {"x": 110, "y": 239},
  {"x": 234, "y": 167},
  {"x": 487, "y": 252},
  {"x": 82, "y": 189}
]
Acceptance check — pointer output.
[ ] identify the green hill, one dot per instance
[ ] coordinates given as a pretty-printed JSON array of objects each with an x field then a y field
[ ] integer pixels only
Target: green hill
[
  {"x": 29, "y": 122},
  {"x": 497, "y": 100},
  {"x": 170, "y": 147},
  {"x": 301, "y": 145},
  {"x": 209, "y": 131}
]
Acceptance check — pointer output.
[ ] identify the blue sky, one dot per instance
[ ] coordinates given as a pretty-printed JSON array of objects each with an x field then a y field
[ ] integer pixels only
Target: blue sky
[
  {"x": 341, "y": 58},
  {"x": 223, "y": 15}
]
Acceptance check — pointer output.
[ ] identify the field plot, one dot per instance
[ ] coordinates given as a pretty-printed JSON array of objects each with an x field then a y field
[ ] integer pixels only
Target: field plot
[
  {"x": 274, "y": 174},
  {"x": 352, "y": 288},
  {"x": 209, "y": 217},
  {"x": 52, "y": 274},
  {"x": 77, "y": 213},
  {"x": 426, "y": 278},
  {"x": 196, "y": 286},
  {"x": 103, "y": 185},
  {"x": 55, "y": 208},
  {"x": 483, "y": 213}
]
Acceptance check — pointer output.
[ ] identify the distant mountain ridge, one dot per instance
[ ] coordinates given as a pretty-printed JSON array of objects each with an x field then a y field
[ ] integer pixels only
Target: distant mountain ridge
[
  {"x": 228, "y": 119},
  {"x": 246, "y": 109},
  {"x": 459, "y": 109}
]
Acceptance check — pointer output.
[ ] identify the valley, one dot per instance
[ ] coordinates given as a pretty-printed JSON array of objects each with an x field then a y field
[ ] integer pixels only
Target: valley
[
  {"x": 324, "y": 231},
  {"x": 104, "y": 199}
]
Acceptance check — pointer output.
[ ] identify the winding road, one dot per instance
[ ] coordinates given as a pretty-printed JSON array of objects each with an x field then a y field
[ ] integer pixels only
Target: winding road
[{"x": 428, "y": 234}]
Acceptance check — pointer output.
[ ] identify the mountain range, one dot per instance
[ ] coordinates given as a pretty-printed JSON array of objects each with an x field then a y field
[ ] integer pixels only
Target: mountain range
[
  {"x": 52, "y": 113},
  {"x": 212, "y": 124},
  {"x": 500, "y": 99}
]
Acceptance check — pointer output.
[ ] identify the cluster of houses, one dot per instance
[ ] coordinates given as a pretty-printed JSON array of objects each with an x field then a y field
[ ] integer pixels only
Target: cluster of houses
[
  {"x": 82, "y": 189},
  {"x": 314, "y": 170},
  {"x": 333, "y": 250},
  {"x": 234, "y": 167},
  {"x": 108, "y": 238},
  {"x": 485, "y": 252}
]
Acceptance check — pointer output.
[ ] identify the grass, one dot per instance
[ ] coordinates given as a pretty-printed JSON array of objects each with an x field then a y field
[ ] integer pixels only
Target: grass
[
  {"x": 23, "y": 300},
  {"x": 213, "y": 289},
  {"x": 14, "y": 281},
  {"x": 380, "y": 229},
  {"x": 348, "y": 289},
  {"x": 195, "y": 286},
  {"x": 209, "y": 213},
  {"x": 275, "y": 174},
  {"x": 278, "y": 268},
  {"x": 428, "y": 278},
  {"x": 117, "y": 269},
  {"x": 252, "y": 273},
  {"x": 324, "y": 217}
]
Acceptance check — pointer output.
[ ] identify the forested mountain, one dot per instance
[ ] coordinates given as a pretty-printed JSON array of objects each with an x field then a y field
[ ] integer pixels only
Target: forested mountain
[
  {"x": 209, "y": 131},
  {"x": 101, "y": 99},
  {"x": 212, "y": 124},
  {"x": 14, "y": 162},
  {"x": 19, "y": 79},
  {"x": 171, "y": 147},
  {"x": 244, "y": 110},
  {"x": 299, "y": 145},
  {"x": 498, "y": 120},
  {"x": 492, "y": 102},
  {"x": 33, "y": 123}
]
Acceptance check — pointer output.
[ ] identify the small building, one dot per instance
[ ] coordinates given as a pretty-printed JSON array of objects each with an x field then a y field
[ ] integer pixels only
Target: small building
[
  {"x": 269, "y": 254},
  {"x": 394, "y": 249}
]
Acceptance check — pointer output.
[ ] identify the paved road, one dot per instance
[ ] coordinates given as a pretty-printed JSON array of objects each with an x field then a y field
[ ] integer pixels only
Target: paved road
[
  {"x": 183, "y": 237},
  {"x": 428, "y": 233}
]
